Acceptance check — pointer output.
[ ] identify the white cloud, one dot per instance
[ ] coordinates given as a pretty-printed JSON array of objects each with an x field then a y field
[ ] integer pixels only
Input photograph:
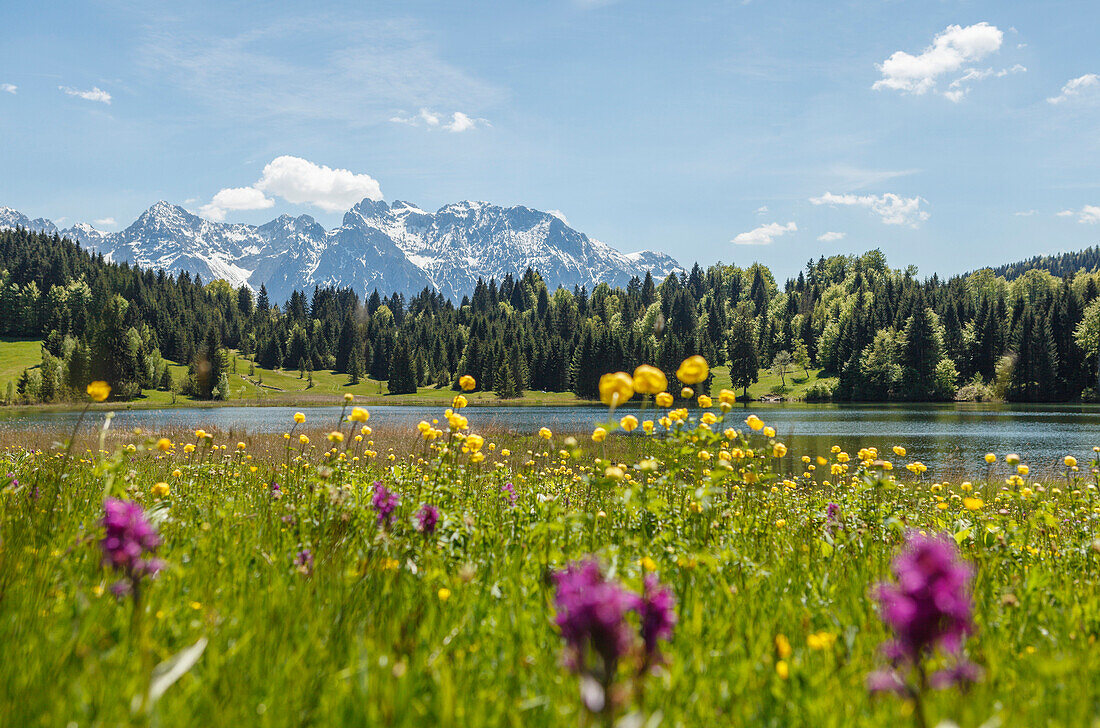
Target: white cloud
[
  {"x": 433, "y": 120},
  {"x": 831, "y": 237},
  {"x": 1026, "y": 213},
  {"x": 1075, "y": 87},
  {"x": 9, "y": 87},
  {"x": 764, "y": 234},
  {"x": 558, "y": 214},
  {"x": 949, "y": 52},
  {"x": 94, "y": 94},
  {"x": 105, "y": 221},
  {"x": 960, "y": 86},
  {"x": 235, "y": 198},
  {"x": 893, "y": 209},
  {"x": 298, "y": 181},
  {"x": 1087, "y": 215},
  {"x": 763, "y": 209}
]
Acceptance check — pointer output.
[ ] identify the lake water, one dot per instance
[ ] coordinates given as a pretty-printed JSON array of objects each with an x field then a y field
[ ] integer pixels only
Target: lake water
[{"x": 950, "y": 439}]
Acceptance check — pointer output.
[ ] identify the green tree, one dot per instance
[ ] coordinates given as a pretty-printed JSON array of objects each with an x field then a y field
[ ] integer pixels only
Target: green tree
[
  {"x": 402, "y": 374},
  {"x": 741, "y": 350}
]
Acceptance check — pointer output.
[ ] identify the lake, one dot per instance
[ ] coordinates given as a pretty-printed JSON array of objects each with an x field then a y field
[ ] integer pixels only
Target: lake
[{"x": 951, "y": 439}]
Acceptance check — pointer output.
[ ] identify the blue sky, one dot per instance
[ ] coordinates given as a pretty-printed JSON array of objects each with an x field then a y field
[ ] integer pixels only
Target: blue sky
[{"x": 950, "y": 133}]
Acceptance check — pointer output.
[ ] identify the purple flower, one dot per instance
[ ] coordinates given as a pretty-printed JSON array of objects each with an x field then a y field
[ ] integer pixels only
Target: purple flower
[
  {"x": 592, "y": 616},
  {"x": 426, "y": 519},
  {"x": 657, "y": 609},
  {"x": 509, "y": 492},
  {"x": 929, "y": 605},
  {"x": 385, "y": 503},
  {"x": 129, "y": 543},
  {"x": 304, "y": 561},
  {"x": 276, "y": 491},
  {"x": 833, "y": 519}
]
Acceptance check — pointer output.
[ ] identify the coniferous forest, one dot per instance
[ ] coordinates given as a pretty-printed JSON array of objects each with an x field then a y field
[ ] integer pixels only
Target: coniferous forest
[{"x": 1026, "y": 332}]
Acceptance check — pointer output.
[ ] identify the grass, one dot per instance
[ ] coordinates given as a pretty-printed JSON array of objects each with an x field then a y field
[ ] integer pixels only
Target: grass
[
  {"x": 314, "y": 610},
  {"x": 15, "y": 356},
  {"x": 769, "y": 383}
]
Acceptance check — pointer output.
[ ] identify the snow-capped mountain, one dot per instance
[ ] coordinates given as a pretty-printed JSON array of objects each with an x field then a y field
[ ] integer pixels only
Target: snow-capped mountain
[{"x": 397, "y": 247}]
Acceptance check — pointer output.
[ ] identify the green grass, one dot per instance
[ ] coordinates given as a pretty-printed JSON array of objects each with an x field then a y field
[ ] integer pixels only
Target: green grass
[
  {"x": 769, "y": 383},
  {"x": 15, "y": 356},
  {"x": 390, "y": 626}
]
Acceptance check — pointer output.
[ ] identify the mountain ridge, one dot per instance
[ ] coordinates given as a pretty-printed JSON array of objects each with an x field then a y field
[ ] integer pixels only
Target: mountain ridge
[{"x": 390, "y": 247}]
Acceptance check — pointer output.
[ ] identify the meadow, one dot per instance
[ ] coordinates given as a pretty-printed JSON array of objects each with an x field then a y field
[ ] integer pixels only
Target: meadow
[{"x": 678, "y": 571}]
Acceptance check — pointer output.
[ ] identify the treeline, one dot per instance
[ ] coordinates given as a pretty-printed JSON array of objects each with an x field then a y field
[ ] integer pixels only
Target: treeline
[
  {"x": 1062, "y": 265},
  {"x": 882, "y": 334}
]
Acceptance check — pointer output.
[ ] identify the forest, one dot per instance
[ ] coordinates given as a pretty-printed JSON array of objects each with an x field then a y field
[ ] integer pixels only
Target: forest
[{"x": 1026, "y": 332}]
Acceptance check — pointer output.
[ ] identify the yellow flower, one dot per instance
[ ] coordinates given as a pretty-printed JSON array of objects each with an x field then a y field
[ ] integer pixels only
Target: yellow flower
[
  {"x": 708, "y": 418},
  {"x": 164, "y": 444},
  {"x": 693, "y": 370},
  {"x": 200, "y": 434},
  {"x": 779, "y": 450},
  {"x": 1022, "y": 469},
  {"x": 614, "y": 473},
  {"x": 629, "y": 423},
  {"x": 1012, "y": 459},
  {"x": 241, "y": 446},
  {"x": 664, "y": 399},
  {"x": 99, "y": 391},
  {"x": 545, "y": 433},
  {"x": 649, "y": 380},
  {"x": 782, "y": 646},
  {"x": 358, "y": 414},
  {"x": 299, "y": 417},
  {"x": 474, "y": 442},
  {"x": 648, "y": 564},
  {"x": 616, "y": 388},
  {"x": 728, "y": 397},
  {"x": 705, "y": 402},
  {"x": 782, "y": 669},
  {"x": 687, "y": 393},
  {"x": 754, "y": 422},
  {"x": 335, "y": 436},
  {"x": 349, "y": 397},
  {"x": 990, "y": 458},
  {"x": 467, "y": 383},
  {"x": 899, "y": 451},
  {"x": 973, "y": 504},
  {"x": 189, "y": 448},
  {"x": 302, "y": 439},
  {"x": 769, "y": 432},
  {"x": 599, "y": 434},
  {"x": 820, "y": 640},
  {"x": 1070, "y": 461},
  {"x": 177, "y": 473},
  {"x": 459, "y": 402},
  {"x": 444, "y": 594},
  {"x": 160, "y": 490}
]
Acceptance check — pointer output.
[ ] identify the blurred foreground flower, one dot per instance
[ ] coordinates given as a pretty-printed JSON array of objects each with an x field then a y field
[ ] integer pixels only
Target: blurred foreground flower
[{"x": 128, "y": 545}]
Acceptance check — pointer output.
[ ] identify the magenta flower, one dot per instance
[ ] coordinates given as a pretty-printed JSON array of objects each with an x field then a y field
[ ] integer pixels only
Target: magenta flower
[
  {"x": 426, "y": 519},
  {"x": 592, "y": 616},
  {"x": 128, "y": 544},
  {"x": 304, "y": 562},
  {"x": 657, "y": 609},
  {"x": 509, "y": 492},
  {"x": 385, "y": 503},
  {"x": 927, "y": 607}
]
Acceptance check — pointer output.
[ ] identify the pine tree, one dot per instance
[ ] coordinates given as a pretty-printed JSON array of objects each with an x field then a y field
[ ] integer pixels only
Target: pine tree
[
  {"x": 402, "y": 375},
  {"x": 741, "y": 351},
  {"x": 505, "y": 383}
]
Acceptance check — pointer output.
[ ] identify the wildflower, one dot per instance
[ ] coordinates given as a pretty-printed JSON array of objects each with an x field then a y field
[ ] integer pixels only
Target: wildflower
[
  {"x": 779, "y": 450},
  {"x": 1070, "y": 461},
  {"x": 693, "y": 370},
  {"x": 303, "y": 440},
  {"x": 614, "y": 472},
  {"x": 299, "y": 418},
  {"x": 592, "y": 616},
  {"x": 160, "y": 490},
  {"x": 687, "y": 393},
  {"x": 664, "y": 399},
  {"x": 599, "y": 434},
  {"x": 459, "y": 402},
  {"x": 1012, "y": 459},
  {"x": 705, "y": 402},
  {"x": 467, "y": 383},
  {"x": 727, "y": 397},
  {"x": 649, "y": 380},
  {"x": 241, "y": 446},
  {"x": 384, "y": 503},
  {"x": 358, "y": 414},
  {"x": 426, "y": 519},
  {"x": 509, "y": 492},
  {"x": 782, "y": 646},
  {"x": 616, "y": 388},
  {"x": 820, "y": 640},
  {"x": 656, "y": 608},
  {"x": 164, "y": 444},
  {"x": 99, "y": 391},
  {"x": 629, "y": 423},
  {"x": 444, "y": 594},
  {"x": 545, "y": 433},
  {"x": 754, "y": 422},
  {"x": 928, "y": 606},
  {"x": 335, "y": 437},
  {"x": 973, "y": 504},
  {"x": 899, "y": 451},
  {"x": 782, "y": 669},
  {"x": 304, "y": 562},
  {"x": 128, "y": 544},
  {"x": 349, "y": 397},
  {"x": 990, "y": 458}
]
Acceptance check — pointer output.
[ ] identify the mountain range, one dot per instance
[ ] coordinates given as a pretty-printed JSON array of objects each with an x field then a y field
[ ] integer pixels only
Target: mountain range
[{"x": 394, "y": 247}]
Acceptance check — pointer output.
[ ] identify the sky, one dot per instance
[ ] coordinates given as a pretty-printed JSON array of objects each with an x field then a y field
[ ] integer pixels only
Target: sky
[{"x": 952, "y": 134}]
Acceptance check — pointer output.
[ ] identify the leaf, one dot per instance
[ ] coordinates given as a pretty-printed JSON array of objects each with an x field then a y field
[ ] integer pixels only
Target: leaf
[{"x": 167, "y": 672}]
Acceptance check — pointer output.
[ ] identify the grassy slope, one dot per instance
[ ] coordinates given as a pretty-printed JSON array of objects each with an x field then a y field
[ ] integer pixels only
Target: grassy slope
[{"x": 285, "y": 387}]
